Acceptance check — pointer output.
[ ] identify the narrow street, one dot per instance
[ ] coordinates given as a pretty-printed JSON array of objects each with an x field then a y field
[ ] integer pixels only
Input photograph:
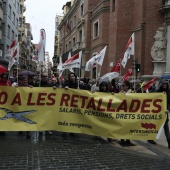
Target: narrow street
[{"x": 58, "y": 151}]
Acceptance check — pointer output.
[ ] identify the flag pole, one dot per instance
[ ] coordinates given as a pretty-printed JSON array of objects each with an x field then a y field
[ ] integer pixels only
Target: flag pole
[
  {"x": 39, "y": 75},
  {"x": 134, "y": 61},
  {"x": 17, "y": 73},
  {"x": 79, "y": 79},
  {"x": 120, "y": 66}
]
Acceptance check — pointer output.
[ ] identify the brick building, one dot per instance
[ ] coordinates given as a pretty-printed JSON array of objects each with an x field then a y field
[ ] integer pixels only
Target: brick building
[{"x": 94, "y": 24}]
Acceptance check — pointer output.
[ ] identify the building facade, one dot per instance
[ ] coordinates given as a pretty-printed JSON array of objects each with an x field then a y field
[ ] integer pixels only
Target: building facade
[
  {"x": 9, "y": 26},
  {"x": 1, "y": 18},
  {"x": 95, "y": 24}
]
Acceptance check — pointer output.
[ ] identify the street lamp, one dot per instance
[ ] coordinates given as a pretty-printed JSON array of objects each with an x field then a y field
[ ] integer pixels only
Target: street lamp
[
  {"x": 54, "y": 64},
  {"x": 54, "y": 60}
]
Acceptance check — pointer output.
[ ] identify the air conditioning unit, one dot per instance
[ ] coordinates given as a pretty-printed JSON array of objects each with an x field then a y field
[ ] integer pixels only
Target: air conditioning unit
[{"x": 0, "y": 53}]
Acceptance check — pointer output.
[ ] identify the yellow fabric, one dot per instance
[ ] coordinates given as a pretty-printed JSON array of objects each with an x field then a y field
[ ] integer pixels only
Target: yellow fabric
[{"x": 127, "y": 116}]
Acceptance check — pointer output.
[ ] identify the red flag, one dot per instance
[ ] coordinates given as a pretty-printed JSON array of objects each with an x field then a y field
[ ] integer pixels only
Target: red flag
[
  {"x": 148, "y": 84},
  {"x": 116, "y": 68},
  {"x": 14, "y": 43},
  {"x": 68, "y": 28},
  {"x": 129, "y": 73}
]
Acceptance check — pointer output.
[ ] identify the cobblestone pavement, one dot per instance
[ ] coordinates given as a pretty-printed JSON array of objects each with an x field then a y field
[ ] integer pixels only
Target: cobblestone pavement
[{"x": 58, "y": 151}]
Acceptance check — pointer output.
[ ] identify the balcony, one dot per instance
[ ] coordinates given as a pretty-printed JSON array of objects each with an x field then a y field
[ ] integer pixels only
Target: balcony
[
  {"x": 21, "y": 29},
  {"x": 21, "y": 2},
  {"x": 78, "y": 46},
  {"x": 21, "y": 15},
  {"x": 24, "y": 8}
]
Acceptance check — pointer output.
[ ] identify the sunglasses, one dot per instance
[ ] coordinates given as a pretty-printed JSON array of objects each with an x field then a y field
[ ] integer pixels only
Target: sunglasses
[
  {"x": 4, "y": 77},
  {"x": 123, "y": 85},
  {"x": 44, "y": 76}
]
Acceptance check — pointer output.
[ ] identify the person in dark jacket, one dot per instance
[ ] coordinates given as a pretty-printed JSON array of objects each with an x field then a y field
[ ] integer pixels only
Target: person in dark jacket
[
  {"x": 104, "y": 87},
  {"x": 72, "y": 82},
  {"x": 44, "y": 81},
  {"x": 165, "y": 87}
]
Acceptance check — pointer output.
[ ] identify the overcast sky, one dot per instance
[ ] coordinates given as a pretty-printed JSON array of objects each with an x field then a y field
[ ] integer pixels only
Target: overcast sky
[{"x": 41, "y": 14}]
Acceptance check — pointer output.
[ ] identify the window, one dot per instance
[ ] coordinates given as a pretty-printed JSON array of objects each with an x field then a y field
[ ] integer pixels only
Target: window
[
  {"x": 66, "y": 48},
  {"x": 13, "y": 35},
  {"x": 14, "y": 18},
  {"x": 3, "y": 29},
  {"x": 94, "y": 73},
  {"x": 74, "y": 21},
  {"x": 96, "y": 29},
  {"x": 81, "y": 9},
  {"x": 17, "y": 24},
  {"x": 18, "y": 7},
  {"x": 4, "y": 8},
  {"x": 8, "y": 34},
  {"x": 80, "y": 36},
  {"x": 113, "y": 5},
  {"x": 71, "y": 24},
  {"x": 69, "y": 45},
  {"x": 74, "y": 41},
  {"x": 20, "y": 10},
  {"x": 1, "y": 6},
  {"x": 9, "y": 11},
  {"x": 20, "y": 22}
]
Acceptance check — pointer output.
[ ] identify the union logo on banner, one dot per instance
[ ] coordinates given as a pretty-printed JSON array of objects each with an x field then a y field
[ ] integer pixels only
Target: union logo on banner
[{"x": 148, "y": 125}]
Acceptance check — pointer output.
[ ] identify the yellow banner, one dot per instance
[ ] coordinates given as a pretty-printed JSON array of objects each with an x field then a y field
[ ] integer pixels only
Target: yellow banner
[{"x": 120, "y": 116}]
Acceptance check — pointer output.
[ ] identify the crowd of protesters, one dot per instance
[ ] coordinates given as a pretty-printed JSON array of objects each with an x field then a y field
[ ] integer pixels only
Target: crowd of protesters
[{"x": 93, "y": 85}]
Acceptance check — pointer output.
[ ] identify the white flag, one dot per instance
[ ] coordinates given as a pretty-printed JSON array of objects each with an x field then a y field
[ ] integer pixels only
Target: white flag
[
  {"x": 90, "y": 64},
  {"x": 59, "y": 67},
  {"x": 97, "y": 59},
  {"x": 41, "y": 45},
  {"x": 129, "y": 50},
  {"x": 14, "y": 57},
  {"x": 100, "y": 56},
  {"x": 73, "y": 62}
]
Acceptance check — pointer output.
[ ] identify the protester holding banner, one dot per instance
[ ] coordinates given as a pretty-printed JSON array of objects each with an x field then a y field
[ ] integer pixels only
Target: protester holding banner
[
  {"x": 126, "y": 88},
  {"x": 72, "y": 82},
  {"x": 95, "y": 87},
  {"x": 54, "y": 82},
  {"x": 44, "y": 83},
  {"x": 114, "y": 87},
  {"x": 104, "y": 87},
  {"x": 25, "y": 84},
  {"x": 164, "y": 87}
]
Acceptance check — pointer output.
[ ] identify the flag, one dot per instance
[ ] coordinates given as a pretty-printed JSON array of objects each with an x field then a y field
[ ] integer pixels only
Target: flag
[
  {"x": 129, "y": 50},
  {"x": 59, "y": 67},
  {"x": 116, "y": 68},
  {"x": 14, "y": 57},
  {"x": 73, "y": 62},
  {"x": 68, "y": 27},
  {"x": 35, "y": 55},
  {"x": 129, "y": 73},
  {"x": 148, "y": 84},
  {"x": 11, "y": 49},
  {"x": 97, "y": 59},
  {"x": 41, "y": 46}
]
